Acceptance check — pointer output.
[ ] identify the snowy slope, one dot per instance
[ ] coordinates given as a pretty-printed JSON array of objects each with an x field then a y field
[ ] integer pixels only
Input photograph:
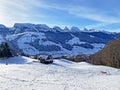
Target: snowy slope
[
  {"x": 74, "y": 40},
  {"x": 32, "y": 43},
  {"x": 1, "y": 39},
  {"x": 27, "y": 74}
]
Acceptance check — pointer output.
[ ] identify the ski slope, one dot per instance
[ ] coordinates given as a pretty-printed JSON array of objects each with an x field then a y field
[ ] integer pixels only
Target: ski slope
[{"x": 23, "y": 73}]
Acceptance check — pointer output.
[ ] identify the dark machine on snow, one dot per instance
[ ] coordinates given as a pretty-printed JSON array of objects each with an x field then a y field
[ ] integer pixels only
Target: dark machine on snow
[{"x": 47, "y": 60}]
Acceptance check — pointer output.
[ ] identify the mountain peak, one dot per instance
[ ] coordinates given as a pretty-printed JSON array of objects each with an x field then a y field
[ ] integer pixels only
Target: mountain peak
[
  {"x": 66, "y": 29},
  {"x": 57, "y": 28},
  {"x": 2, "y": 26},
  {"x": 75, "y": 29}
]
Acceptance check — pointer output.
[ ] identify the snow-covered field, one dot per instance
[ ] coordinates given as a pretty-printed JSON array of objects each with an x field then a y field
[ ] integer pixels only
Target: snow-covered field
[{"x": 23, "y": 73}]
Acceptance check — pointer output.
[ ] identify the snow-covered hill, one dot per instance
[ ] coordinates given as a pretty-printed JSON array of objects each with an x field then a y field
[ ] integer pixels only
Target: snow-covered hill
[
  {"x": 23, "y": 73},
  {"x": 32, "y": 39}
]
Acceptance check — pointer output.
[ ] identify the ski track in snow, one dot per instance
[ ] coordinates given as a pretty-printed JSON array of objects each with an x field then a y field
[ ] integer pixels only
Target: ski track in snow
[{"x": 61, "y": 75}]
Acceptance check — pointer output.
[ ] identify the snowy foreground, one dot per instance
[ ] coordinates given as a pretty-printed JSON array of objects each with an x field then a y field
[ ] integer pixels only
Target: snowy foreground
[{"x": 23, "y": 73}]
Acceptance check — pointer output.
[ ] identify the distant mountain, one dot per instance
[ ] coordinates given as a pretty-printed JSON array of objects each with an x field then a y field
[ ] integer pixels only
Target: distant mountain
[{"x": 34, "y": 39}]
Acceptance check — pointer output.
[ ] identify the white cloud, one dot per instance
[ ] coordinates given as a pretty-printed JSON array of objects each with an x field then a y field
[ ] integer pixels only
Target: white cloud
[
  {"x": 97, "y": 25},
  {"x": 93, "y": 14},
  {"x": 21, "y": 11},
  {"x": 83, "y": 12},
  {"x": 115, "y": 30},
  {"x": 16, "y": 11}
]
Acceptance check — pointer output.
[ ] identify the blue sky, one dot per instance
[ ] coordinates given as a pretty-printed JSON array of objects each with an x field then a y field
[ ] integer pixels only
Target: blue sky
[{"x": 98, "y": 14}]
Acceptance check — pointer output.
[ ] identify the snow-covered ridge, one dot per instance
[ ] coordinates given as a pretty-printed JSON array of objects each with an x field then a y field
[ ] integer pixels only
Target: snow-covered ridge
[
  {"x": 2, "y": 26},
  {"x": 44, "y": 27},
  {"x": 29, "y": 26}
]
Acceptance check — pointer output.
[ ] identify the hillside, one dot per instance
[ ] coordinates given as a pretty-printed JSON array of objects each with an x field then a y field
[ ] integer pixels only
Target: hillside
[
  {"x": 32, "y": 39},
  {"x": 23, "y": 73},
  {"x": 109, "y": 55}
]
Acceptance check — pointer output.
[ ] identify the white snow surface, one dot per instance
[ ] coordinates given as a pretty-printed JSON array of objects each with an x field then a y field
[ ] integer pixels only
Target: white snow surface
[
  {"x": 1, "y": 39},
  {"x": 75, "y": 40},
  {"x": 24, "y": 42},
  {"x": 23, "y": 73},
  {"x": 81, "y": 50},
  {"x": 28, "y": 38}
]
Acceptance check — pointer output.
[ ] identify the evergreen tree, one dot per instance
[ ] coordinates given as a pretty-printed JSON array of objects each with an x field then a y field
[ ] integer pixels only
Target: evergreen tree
[{"x": 5, "y": 50}]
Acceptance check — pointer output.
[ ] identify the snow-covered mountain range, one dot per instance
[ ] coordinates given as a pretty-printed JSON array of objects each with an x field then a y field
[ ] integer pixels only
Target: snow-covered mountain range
[{"x": 34, "y": 39}]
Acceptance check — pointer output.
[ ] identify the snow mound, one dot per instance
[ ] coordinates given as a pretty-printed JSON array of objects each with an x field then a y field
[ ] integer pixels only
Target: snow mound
[
  {"x": 63, "y": 63},
  {"x": 17, "y": 60}
]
